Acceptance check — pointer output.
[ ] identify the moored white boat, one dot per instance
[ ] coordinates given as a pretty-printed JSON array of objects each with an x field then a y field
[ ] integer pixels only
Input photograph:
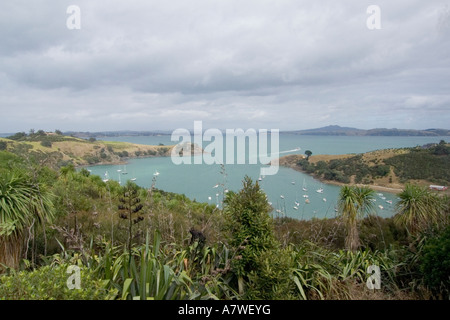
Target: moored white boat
[{"x": 304, "y": 186}]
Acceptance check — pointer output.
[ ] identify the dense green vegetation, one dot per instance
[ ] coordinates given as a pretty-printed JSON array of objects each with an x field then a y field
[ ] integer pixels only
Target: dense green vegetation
[
  {"x": 435, "y": 264},
  {"x": 342, "y": 169},
  {"x": 41, "y": 136},
  {"x": 431, "y": 163},
  {"x": 136, "y": 243},
  {"x": 35, "y": 285}
]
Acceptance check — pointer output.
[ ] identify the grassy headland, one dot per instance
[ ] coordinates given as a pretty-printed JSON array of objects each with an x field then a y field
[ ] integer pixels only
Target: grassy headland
[
  {"x": 387, "y": 169},
  {"x": 58, "y": 150}
]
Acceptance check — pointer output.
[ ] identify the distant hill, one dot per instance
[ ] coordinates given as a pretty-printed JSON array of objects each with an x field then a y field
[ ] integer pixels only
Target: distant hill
[
  {"x": 335, "y": 130},
  {"x": 332, "y": 131}
]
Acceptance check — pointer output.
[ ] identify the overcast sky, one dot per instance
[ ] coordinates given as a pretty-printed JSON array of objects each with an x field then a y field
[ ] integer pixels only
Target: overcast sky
[{"x": 281, "y": 64}]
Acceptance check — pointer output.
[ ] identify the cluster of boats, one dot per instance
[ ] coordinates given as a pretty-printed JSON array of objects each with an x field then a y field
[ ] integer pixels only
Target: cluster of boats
[
  {"x": 123, "y": 172},
  {"x": 305, "y": 196},
  {"x": 382, "y": 197},
  {"x": 321, "y": 191}
]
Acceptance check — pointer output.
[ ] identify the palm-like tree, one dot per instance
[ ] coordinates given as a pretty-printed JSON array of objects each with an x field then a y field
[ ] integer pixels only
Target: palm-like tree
[
  {"x": 418, "y": 208},
  {"x": 23, "y": 205},
  {"x": 354, "y": 203}
]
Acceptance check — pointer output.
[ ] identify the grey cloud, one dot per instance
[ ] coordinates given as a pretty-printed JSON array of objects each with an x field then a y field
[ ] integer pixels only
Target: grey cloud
[{"x": 296, "y": 63}]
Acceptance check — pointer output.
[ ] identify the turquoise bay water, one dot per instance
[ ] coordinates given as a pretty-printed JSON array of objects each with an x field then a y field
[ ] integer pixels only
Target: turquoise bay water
[{"x": 206, "y": 183}]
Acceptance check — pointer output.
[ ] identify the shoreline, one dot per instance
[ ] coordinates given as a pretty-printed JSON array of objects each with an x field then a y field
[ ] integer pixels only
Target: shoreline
[
  {"x": 372, "y": 186},
  {"x": 117, "y": 163},
  {"x": 125, "y": 161}
]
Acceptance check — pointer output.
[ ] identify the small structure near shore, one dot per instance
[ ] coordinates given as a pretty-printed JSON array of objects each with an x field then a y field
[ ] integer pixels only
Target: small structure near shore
[{"x": 438, "y": 188}]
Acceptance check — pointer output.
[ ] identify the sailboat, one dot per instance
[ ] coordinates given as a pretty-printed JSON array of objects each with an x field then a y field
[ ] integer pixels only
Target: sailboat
[
  {"x": 320, "y": 190},
  {"x": 124, "y": 170},
  {"x": 118, "y": 172},
  {"x": 296, "y": 200},
  {"x": 106, "y": 177},
  {"x": 304, "y": 185},
  {"x": 156, "y": 173}
]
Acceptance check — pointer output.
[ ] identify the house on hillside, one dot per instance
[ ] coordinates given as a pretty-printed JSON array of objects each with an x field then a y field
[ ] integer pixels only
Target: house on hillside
[{"x": 438, "y": 188}]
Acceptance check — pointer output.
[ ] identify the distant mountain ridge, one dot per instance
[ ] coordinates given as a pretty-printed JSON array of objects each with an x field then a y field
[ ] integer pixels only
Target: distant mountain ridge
[
  {"x": 331, "y": 130},
  {"x": 334, "y": 130}
]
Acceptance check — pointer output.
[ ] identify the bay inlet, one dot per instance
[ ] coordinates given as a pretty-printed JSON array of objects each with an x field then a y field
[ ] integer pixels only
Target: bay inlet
[{"x": 285, "y": 190}]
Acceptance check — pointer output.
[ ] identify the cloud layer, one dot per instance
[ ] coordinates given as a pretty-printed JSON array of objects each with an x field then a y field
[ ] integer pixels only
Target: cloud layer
[{"x": 145, "y": 65}]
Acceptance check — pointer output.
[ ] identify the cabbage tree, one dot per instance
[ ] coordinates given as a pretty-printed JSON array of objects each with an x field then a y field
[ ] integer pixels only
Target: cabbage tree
[{"x": 23, "y": 205}]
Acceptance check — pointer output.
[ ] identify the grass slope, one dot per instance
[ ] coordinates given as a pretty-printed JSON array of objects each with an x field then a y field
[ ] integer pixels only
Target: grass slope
[
  {"x": 79, "y": 152},
  {"x": 389, "y": 168}
]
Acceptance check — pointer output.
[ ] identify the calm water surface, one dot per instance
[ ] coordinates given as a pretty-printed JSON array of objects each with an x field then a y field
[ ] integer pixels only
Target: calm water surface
[{"x": 284, "y": 190}]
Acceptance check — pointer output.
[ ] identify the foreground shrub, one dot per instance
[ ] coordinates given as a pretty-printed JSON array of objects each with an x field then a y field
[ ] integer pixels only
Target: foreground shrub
[
  {"x": 50, "y": 283},
  {"x": 250, "y": 228},
  {"x": 273, "y": 278},
  {"x": 435, "y": 265}
]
